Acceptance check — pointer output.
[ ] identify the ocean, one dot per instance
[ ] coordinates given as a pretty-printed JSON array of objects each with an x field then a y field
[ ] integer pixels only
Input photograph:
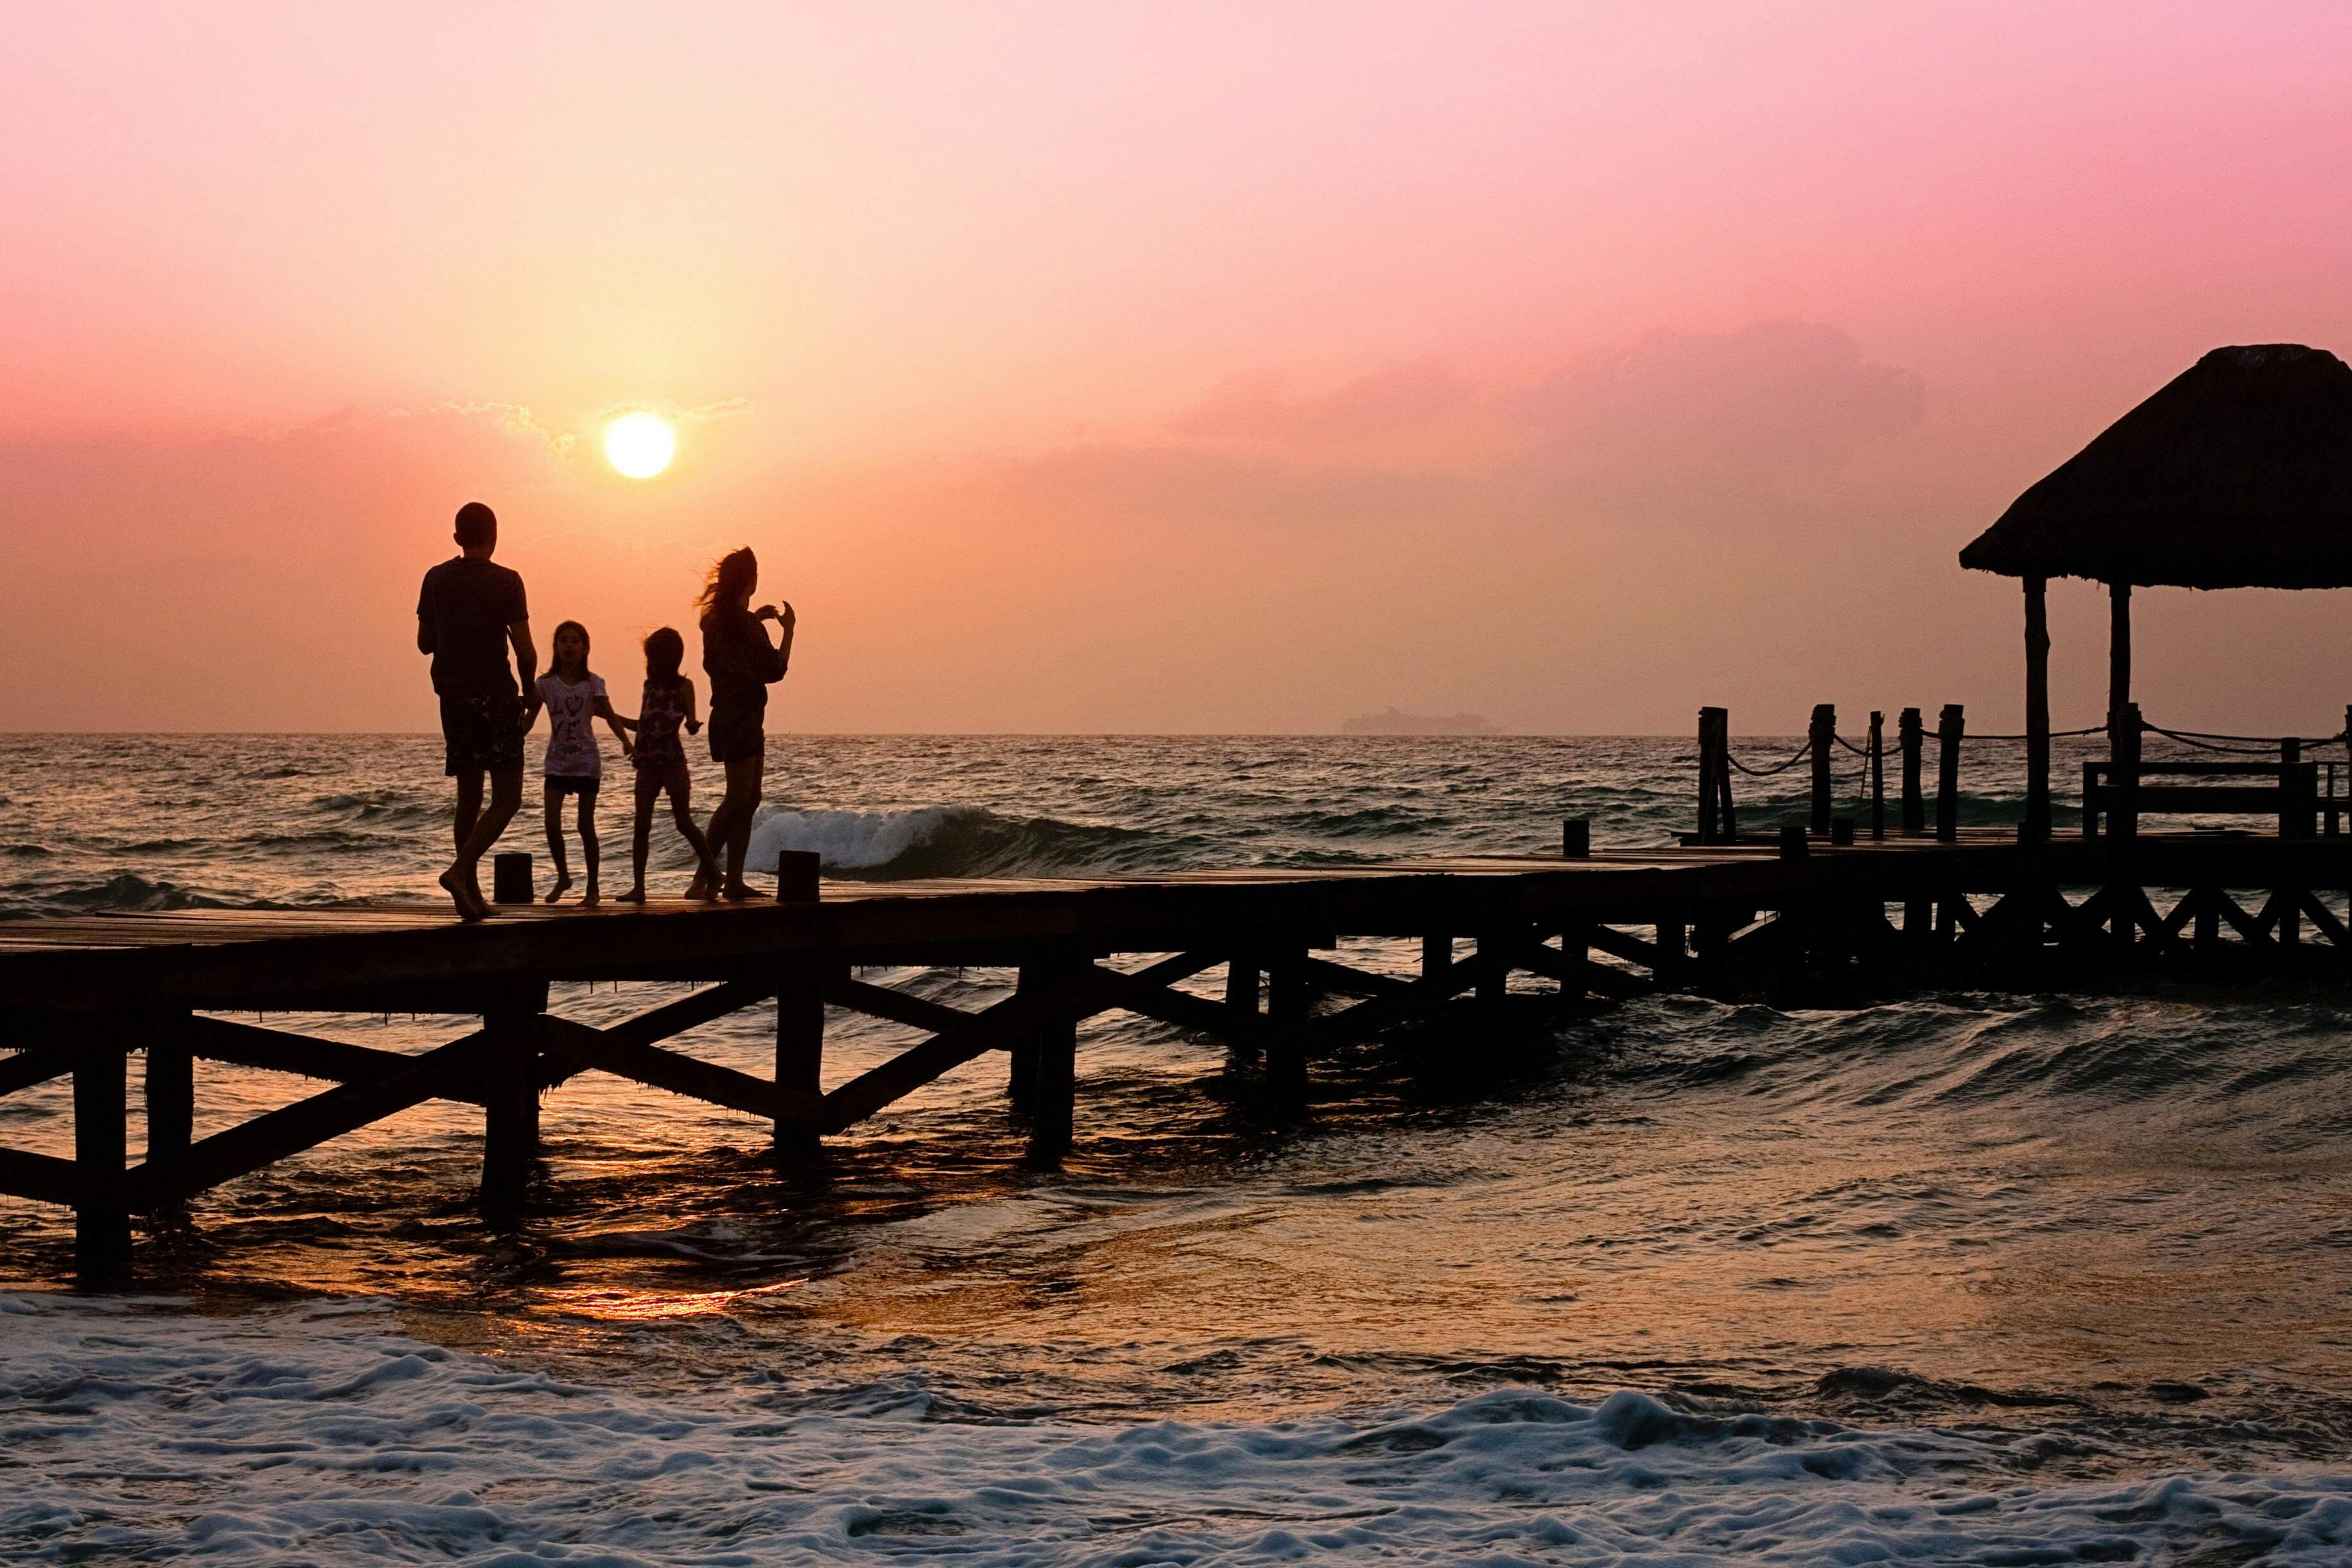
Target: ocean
[{"x": 1955, "y": 1277}]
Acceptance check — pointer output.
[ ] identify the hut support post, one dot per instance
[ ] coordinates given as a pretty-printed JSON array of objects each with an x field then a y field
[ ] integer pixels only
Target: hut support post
[
  {"x": 101, "y": 1221},
  {"x": 170, "y": 1085},
  {"x": 1950, "y": 728},
  {"x": 2037, "y": 711},
  {"x": 1713, "y": 777},
  {"x": 1877, "y": 773},
  {"x": 1823, "y": 736},
  {"x": 1436, "y": 956},
  {"x": 1908, "y": 732}
]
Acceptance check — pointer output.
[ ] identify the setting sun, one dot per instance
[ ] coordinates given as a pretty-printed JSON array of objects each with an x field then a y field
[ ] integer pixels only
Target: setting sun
[{"x": 639, "y": 445}]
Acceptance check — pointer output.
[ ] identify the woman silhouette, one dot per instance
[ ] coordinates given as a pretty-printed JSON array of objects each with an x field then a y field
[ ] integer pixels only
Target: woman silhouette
[{"x": 741, "y": 664}]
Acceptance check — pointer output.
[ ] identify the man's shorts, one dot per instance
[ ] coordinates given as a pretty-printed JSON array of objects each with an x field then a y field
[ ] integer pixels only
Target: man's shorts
[
  {"x": 735, "y": 736},
  {"x": 481, "y": 734}
]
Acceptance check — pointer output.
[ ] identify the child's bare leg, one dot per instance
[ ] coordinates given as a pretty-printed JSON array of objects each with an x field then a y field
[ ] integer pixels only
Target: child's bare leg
[
  {"x": 638, "y": 833},
  {"x": 554, "y": 803},
  {"x": 706, "y": 880},
  {"x": 590, "y": 850}
]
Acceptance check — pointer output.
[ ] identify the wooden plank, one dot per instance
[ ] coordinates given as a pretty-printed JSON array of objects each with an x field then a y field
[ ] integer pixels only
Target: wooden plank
[
  {"x": 305, "y": 1124},
  {"x": 669, "y": 1019},
  {"x": 608, "y": 1050},
  {"x": 896, "y": 1007},
  {"x": 1621, "y": 944}
]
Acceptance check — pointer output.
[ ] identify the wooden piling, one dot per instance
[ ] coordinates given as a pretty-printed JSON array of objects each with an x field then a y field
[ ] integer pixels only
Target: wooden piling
[
  {"x": 800, "y": 1044},
  {"x": 1908, "y": 733},
  {"x": 102, "y": 1211},
  {"x": 1286, "y": 1008},
  {"x": 1717, "y": 823},
  {"x": 1054, "y": 1047},
  {"x": 1436, "y": 955},
  {"x": 1823, "y": 733},
  {"x": 169, "y": 1085},
  {"x": 1576, "y": 839},
  {"x": 511, "y": 1084},
  {"x": 1951, "y": 726},
  {"x": 1497, "y": 985}
]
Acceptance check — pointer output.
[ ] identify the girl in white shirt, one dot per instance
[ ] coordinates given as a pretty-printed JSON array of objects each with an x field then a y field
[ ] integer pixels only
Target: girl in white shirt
[{"x": 574, "y": 699}]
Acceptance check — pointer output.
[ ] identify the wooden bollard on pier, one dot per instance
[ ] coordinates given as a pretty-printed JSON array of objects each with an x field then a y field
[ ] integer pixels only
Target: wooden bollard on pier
[
  {"x": 1950, "y": 727},
  {"x": 1576, "y": 839},
  {"x": 510, "y": 877},
  {"x": 1286, "y": 997},
  {"x": 1823, "y": 736}
]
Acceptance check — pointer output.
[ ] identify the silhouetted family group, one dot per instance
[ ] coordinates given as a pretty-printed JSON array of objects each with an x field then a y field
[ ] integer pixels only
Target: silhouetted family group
[{"x": 471, "y": 610}]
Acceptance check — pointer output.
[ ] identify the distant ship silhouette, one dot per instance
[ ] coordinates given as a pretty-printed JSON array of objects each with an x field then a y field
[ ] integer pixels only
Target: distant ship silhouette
[{"x": 1392, "y": 722}]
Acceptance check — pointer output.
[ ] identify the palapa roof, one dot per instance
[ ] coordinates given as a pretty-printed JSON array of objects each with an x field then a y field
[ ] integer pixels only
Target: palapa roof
[{"x": 2236, "y": 474}]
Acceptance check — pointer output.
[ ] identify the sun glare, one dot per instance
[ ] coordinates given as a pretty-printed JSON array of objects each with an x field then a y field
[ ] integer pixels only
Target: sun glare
[{"x": 639, "y": 445}]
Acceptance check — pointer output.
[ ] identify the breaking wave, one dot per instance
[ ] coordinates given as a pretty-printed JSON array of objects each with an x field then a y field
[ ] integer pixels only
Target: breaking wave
[{"x": 960, "y": 841}]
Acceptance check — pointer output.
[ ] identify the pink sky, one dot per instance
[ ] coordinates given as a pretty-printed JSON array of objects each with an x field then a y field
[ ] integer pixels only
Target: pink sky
[{"x": 1105, "y": 367}]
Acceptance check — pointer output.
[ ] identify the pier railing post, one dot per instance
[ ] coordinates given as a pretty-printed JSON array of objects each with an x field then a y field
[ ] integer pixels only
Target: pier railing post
[
  {"x": 1436, "y": 955},
  {"x": 1877, "y": 773},
  {"x": 1824, "y": 734},
  {"x": 1908, "y": 730},
  {"x": 101, "y": 1220},
  {"x": 2122, "y": 777},
  {"x": 1716, "y": 823},
  {"x": 510, "y": 1100},
  {"x": 1949, "y": 729}
]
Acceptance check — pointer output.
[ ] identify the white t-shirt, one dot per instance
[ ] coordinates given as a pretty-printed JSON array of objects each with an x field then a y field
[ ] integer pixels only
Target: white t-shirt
[{"x": 572, "y": 751}]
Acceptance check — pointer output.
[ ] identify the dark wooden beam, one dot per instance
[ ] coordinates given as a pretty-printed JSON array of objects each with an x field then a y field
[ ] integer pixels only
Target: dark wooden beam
[
  {"x": 1326, "y": 975},
  {"x": 281, "y": 1050},
  {"x": 608, "y": 1050},
  {"x": 40, "y": 1065},
  {"x": 42, "y": 1178},
  {"x": 994, "y": 1028},
  {"x": 669, "y": 1019},
  {"x": 305, "y": 1124}
]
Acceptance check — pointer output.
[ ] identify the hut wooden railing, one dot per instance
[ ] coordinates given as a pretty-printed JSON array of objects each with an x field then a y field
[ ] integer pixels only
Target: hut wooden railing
[{"x": 2308, "y": 797}]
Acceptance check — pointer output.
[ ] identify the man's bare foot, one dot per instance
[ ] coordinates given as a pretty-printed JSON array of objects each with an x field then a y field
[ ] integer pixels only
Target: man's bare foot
[
  {"x": 562, "y": 886},
  {"x": 635, "y": 895},
  {"x": 740, "y": 893},
  {"x": 470, "y": 908},
  {"x": 589, "y": 900},
  {"x": 700, "y": 888}
]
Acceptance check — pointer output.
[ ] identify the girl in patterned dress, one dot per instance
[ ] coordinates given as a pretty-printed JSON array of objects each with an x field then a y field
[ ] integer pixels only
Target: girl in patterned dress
[
  {"x": 574, "y": 698},
  {"x": 668, "y": 702}
]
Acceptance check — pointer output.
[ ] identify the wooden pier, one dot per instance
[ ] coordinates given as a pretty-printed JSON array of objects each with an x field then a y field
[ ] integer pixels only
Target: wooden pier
[{"x": 1803, "y": 918}]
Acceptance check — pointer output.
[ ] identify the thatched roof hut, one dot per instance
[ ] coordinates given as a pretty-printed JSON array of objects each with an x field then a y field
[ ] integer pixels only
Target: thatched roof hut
[{"x": 2236, "y": 474}]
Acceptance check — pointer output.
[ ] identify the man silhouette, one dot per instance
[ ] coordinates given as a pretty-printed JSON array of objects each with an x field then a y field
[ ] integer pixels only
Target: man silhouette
[{"x": 466, "y": 613}]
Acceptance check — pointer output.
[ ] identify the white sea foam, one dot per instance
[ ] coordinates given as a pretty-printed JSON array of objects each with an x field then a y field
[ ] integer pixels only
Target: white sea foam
[
  {"x": 846, "y": 840},
  {"x": 325, "y": 1436}
]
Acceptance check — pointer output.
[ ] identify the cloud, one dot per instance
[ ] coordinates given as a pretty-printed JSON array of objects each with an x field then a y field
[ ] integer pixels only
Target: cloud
[
  {"x": 1775, "y": 398},
  {"x": 514, "y": 418},
  {"x": 1406, "y": 399}
]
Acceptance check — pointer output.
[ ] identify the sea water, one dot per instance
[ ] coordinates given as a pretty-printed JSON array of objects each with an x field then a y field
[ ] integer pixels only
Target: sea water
[{"x": 1954, "y": 1277}]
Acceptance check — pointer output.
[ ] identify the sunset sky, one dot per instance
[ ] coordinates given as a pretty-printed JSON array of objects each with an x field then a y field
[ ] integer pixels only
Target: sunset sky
[{"x": 1142, "y": 367}]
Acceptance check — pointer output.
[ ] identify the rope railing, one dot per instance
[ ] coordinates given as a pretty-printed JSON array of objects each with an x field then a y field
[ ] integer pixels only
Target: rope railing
[
  {"x": 1870, "y": 785},
  {"x": 1802, "y": 753}
]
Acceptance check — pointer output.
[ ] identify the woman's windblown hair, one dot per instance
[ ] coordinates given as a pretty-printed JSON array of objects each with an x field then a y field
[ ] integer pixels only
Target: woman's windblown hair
[{"x": 730, "y": 579}]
